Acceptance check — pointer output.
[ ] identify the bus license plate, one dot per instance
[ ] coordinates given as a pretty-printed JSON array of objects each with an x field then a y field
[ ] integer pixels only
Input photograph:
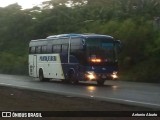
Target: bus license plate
[{"x": 103, "y": 76}]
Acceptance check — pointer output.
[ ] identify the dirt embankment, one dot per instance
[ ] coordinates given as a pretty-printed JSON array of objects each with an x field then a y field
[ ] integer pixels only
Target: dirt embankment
[{"x": 12, "y": 99}]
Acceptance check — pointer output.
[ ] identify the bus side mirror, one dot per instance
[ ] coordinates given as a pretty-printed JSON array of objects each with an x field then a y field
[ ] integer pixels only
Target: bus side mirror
[
  {"x": 118, "y": 44},
  {"x": 84, "y": 47},
  {"x": 83, "y": 44}
]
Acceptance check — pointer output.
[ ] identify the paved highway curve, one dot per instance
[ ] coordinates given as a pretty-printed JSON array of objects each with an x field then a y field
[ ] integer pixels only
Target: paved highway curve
[{"x": 130, "y": 93}]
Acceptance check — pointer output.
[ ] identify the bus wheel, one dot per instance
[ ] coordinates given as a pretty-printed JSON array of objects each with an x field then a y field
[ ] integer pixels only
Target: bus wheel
[
  {"x": 71, "y": 77},
  {"x": 41, "y": 76},
  {"x": 100, "y": 82}
]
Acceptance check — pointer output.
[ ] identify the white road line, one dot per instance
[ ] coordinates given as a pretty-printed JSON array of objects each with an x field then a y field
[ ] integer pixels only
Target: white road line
[{"x": 131, "y": 101}]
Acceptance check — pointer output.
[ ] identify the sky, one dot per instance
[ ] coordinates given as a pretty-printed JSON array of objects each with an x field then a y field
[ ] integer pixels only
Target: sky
[{"x": 24, "y": 3}]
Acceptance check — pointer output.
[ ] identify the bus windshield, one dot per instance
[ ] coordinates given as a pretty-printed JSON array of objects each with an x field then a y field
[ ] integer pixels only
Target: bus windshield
[{"x": 101, "y": 49}]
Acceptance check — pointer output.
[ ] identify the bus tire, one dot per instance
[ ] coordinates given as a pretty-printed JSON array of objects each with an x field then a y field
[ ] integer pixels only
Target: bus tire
[
  {"x": 41, "y": 76},
  {"x": 100, "y": 82},
  {"x": 72, "y": 78}
]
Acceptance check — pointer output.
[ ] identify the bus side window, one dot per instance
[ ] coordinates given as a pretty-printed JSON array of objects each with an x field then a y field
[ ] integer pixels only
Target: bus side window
[
  {"x": 53, "y": 49},
  {"x": 64, "y": 48},
  {"x": 74, "y": 48},
  {"x": 49, "y": 49},
  {"x": 32, "y": 50},
  {"x": 57, "y": 48},
  {"x": 38, "y": 49},
  {"x": 44, "y": 49}
]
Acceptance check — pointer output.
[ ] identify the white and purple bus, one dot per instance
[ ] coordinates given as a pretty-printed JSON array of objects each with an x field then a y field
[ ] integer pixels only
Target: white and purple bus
[{"x": 74, "y": 57}]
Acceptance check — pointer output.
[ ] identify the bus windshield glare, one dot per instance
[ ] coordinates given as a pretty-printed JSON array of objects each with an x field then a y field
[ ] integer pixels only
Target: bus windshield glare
[{"x": 100, "y": 50}]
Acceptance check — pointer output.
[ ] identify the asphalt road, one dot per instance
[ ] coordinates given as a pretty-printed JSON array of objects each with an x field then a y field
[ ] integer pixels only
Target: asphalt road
[{"x": 131, "y": 93}]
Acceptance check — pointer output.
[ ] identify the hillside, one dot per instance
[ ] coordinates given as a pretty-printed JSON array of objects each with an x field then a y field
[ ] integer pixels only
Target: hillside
[{"x": 135, "y": 22}]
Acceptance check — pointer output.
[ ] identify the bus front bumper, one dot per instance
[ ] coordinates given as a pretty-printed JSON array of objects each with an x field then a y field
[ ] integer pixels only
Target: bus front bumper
[{"x": 92, "y": 76}]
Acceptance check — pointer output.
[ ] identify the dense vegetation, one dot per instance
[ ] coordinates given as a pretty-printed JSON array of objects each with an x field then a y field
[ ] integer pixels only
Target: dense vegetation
[{"x": 135, "y": 22}]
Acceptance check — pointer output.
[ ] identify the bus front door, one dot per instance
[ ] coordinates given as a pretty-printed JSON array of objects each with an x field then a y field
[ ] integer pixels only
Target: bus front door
[{"x": 35, "y": 66}]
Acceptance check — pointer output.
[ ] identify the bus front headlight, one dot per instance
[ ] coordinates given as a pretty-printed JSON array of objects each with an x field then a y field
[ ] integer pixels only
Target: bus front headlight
[
  {"x": 114, "y": 75},
  {"x": 90, "y": 75}
]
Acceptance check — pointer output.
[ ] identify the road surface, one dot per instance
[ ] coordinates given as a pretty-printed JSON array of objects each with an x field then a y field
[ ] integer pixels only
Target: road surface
[{"x": 131, "y": 93}]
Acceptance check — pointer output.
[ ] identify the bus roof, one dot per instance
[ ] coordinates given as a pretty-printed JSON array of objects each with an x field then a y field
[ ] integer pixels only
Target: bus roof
[
  {"x": 66, "y": 36},
  {"x": 73, "y": 35}
]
